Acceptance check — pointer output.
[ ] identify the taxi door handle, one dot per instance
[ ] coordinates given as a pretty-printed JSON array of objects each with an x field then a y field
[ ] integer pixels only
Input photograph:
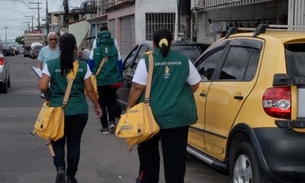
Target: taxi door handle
[
  {"x": 203, "y": 94},
  {"x": 238, "y": 97}
]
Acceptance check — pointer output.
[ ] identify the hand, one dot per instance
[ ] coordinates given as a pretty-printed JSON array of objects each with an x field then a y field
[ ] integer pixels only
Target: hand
[{"x": 98, "y": 111}]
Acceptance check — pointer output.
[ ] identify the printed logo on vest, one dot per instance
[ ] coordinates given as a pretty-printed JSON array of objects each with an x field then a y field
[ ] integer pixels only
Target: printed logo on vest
[{"x": 166, "y": 72}]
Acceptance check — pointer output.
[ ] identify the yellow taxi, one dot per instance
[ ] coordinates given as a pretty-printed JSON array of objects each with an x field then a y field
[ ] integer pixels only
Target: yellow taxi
[{"x": 251, "y": 105}]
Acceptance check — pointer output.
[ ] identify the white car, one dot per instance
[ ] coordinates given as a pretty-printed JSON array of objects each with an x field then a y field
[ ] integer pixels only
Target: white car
[{"x": 5, "y": 82}]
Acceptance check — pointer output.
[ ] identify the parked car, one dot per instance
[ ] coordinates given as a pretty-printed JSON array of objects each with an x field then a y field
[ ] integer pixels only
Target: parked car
[
  {"x": 5, "y": 81},
  {"x": 8, "y": 51},
  {"x": 250, "y": 105},
  {"x": 35, "y": 51},
  {"x": 192, "y": 49}
]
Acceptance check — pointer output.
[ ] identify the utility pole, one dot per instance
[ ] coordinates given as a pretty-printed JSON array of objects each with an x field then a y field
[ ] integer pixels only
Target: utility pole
[
  {"x": 38, "y": 9},
  {"x": 5, "y": 36},
  {"x": 66, "y": 15},
  {"x": 32, "y": 22},
  {"x": 47, "y": 17}
]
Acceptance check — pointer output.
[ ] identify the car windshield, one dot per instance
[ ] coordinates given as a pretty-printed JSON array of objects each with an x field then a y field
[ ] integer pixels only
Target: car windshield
[
  {"x": 295, "y": 59},
  {"x": 38, "y": 47}
]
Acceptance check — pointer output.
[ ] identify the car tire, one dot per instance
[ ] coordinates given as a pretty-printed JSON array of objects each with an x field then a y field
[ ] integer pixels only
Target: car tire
[
  {"x": 9, "y": 82},
  {"x": 3, "y": 87},
  {"x": 243, "y": 162}
]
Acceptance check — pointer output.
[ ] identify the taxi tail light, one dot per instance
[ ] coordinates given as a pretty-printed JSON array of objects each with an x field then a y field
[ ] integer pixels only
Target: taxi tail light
[
  {"x": 1, "y": 61},
  {"x": 277, "y": 102}
]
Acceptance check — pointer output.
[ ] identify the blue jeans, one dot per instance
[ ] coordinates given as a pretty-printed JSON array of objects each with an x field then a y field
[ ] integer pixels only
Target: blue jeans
[{"x": 74, "y": 126}]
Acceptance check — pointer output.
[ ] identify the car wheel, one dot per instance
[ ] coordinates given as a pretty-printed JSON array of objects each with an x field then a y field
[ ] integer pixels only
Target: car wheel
[
  {"x": 3, "y": 87},
  {"x": 9, "y": 82},
  {"x": 243, "y": 162}
]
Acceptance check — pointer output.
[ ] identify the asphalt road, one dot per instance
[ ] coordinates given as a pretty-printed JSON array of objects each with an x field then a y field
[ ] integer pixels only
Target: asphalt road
[{"x": 104, "y": 158}]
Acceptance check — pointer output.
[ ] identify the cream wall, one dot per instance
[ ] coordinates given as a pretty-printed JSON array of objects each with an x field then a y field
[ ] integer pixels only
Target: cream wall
[{"x": 150, "y": 6}]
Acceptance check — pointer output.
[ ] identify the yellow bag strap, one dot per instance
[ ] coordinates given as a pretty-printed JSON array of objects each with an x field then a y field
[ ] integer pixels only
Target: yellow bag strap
[
  {"x": 149, "y": 77},
  {"x": 100, "y": 66},
  {"x": 71, "y": 76}
]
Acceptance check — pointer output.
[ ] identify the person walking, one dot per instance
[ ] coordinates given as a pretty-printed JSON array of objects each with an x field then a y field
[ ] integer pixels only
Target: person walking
[
  {"x": 107, "y": 77},
  {"x": 94, "y": 45},
  {"x": 174, "y": 80},
  {"x": 49, "y": 52},
  {"x": 76, "y": 110}
]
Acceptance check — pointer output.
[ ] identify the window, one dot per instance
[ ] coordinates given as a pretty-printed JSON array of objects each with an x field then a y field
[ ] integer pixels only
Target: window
[
  {"x": 240, "y": 64},
  {"x": 142, "y": 50},
  {"x": 155, "y": 21},
  {"x": 192, "y": 52},
  {"x": 208, "y": 64},
  {"x": 295, "y": 59}
]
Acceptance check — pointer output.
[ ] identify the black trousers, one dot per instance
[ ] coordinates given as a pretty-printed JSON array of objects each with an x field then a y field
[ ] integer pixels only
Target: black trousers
[
  {"x": 74, "y": 126},
  {"x": 173, "y": 143},
  {"x": 107, "y": 102}
]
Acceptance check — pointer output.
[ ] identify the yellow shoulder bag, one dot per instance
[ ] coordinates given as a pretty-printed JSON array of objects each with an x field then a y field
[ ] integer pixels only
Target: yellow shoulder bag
[
  {"x": 93, "y": 77},
  {"x": 50, "y": 122},
  {"x": 138, "y": 124}
]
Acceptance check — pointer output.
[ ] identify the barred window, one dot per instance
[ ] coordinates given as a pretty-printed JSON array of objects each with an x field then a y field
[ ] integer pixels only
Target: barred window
[{"x": 155, "y": 21}]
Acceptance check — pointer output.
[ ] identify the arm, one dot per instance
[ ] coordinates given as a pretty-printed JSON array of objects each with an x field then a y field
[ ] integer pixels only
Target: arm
[
  {"x": 40, "y": 59},
  {"x": 39, "y": 65},
  {"x": 194, "y": 77},
  {"x": 118, "y": 48},
  {"x": 194, "y": 87},
  {"x": 136, "y": 91},
  {"x": 43, "y": 82},
  {"x": 93, "y": 96}
]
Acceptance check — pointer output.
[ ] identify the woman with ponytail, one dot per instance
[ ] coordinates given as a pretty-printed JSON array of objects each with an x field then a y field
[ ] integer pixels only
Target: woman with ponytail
[
  {"x": 76, "y": 110},
  {"x": 174, "y": 80}
]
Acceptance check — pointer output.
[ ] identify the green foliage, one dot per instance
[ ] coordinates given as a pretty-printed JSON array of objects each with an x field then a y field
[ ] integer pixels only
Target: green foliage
[{"x": 19, "y": 39}]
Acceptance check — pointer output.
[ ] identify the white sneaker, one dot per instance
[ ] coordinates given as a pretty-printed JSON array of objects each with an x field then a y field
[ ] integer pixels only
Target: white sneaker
[
  {"x": 42, "y": 95},
  {"x": 112, "y": 128}
]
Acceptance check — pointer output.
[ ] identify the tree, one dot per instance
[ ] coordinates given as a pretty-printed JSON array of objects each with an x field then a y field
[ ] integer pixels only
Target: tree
[{"x": 19, "y": 39}]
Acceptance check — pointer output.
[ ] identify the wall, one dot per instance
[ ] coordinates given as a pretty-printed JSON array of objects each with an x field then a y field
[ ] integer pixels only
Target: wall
[
  {"x": 152, "y": 6},
  {"x": 274, "y": 12}
]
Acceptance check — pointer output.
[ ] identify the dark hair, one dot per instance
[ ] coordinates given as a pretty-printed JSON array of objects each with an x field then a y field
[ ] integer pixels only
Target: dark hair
[
  {"x": 67, "y": 43},
  {"x": 162, "y": 34},
  {"x": 103, "y": 27}
]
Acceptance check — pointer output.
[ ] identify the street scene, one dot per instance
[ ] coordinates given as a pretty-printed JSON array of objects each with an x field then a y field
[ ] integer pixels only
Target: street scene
[
  {"x": 223, "y": 80},
  {"x": 104, "y": 158}
]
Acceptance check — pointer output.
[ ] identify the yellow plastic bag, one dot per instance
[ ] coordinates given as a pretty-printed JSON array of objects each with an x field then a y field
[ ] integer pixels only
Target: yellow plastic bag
[
  {"x": 49, "y": 124},
  {"x": 137, "y": 125}
]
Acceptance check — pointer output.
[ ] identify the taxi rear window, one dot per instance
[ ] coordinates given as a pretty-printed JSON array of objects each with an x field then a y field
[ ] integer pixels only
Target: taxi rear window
[{"x": 295, "y": 59}]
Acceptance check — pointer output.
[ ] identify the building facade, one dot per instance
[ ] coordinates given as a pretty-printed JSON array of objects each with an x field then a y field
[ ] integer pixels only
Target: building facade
[{"x": 133, "y": 21}]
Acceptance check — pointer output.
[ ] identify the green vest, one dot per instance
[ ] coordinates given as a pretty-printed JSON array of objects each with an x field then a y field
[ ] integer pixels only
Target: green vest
[
  {"x": 109, "y": 73},
  {"x": 171, "y": 99},
  {"x": 77, "y": 103}
]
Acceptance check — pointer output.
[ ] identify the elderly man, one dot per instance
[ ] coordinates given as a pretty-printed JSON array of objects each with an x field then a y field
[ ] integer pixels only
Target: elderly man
[{"x": 49, "y": 52}]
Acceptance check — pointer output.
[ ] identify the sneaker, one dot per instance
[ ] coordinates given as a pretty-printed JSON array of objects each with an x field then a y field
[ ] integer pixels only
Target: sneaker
[
  {"x": 112, "y": 127},
  {"x": 104, "y": 131},
  {"x": 61, "y": 176},
  {"x": 42, "y": 95},
  {"x": 71, "y": 179}
]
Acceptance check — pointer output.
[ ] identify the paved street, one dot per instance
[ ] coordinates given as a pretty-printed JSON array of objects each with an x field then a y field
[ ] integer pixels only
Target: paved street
[{"x": 104, "y": 158}]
